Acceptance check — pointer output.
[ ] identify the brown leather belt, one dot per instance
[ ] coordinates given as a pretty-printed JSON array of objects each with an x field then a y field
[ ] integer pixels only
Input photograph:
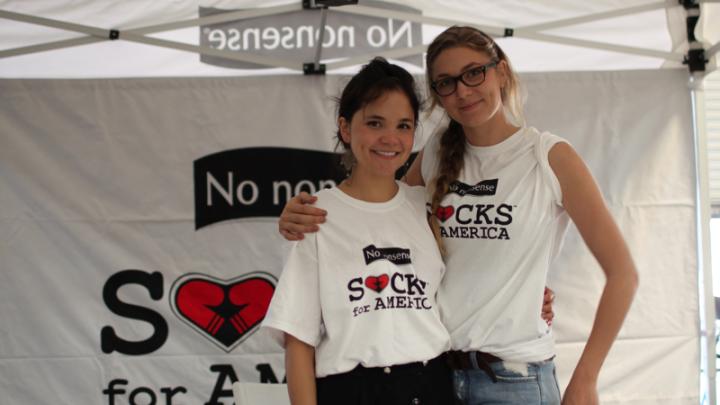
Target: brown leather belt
[{"x": 458, "y": 360}]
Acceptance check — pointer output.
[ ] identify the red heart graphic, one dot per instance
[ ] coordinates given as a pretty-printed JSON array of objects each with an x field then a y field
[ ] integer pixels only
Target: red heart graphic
[
  {"x": 223, "y": 311},
  {"x": 378, "y": 283},
  {"x": 443, "y": 213}
]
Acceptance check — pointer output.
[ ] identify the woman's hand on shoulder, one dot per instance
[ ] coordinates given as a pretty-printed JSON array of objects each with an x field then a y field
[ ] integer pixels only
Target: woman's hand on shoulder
[
  {"x": 300, "y": 217},
  {"x": 547, "y": 308}
]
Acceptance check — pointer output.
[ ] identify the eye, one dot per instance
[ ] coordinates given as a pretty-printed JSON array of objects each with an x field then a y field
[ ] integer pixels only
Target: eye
[
  {"x": 406, "y": 125},
  {"x": 374, "y": 123},
  {"x": 474, "y": 72},
  {"x": 447, "y": 82}
]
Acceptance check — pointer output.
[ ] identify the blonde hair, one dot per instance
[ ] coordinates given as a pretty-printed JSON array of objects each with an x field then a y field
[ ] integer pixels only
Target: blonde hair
[{"x": 452, "y": 140}]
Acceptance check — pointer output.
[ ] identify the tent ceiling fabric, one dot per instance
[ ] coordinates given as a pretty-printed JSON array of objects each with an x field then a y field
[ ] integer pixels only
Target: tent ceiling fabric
[{"x": 657, "y": 26}]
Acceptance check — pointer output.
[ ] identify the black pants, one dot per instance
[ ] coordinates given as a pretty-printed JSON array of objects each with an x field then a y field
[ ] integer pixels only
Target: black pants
[{"x": 407, "y": 384}]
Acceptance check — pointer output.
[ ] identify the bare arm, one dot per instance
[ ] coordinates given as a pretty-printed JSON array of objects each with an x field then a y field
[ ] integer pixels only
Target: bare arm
[
  {"x": 300, "y": 369},
  {"x": 585, "y": 205},
  {"x": 299, "y": 217}
]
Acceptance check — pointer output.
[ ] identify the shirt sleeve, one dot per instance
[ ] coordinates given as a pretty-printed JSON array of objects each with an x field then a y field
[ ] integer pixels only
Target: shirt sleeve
[
  {"x": 545, "y": 142},
  {"x": 295, "y": 305}
]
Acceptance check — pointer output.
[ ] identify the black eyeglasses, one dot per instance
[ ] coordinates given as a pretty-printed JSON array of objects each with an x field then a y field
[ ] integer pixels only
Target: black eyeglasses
[{"x": 472, "y": 77}]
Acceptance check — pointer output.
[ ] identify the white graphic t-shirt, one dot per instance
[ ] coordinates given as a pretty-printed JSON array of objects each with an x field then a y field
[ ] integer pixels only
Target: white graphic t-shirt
[
  {"x": 362, "y": 289},
  {"x": 502, "y": 223}
]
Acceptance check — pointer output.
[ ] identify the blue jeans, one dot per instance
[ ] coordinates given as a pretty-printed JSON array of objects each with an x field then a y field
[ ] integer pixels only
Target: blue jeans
[{"x": 517, "y": 383}]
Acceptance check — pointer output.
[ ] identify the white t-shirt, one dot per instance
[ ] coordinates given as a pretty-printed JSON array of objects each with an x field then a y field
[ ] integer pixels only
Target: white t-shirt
[
  {"x": 362, "y": 289},
  {"x": 502, "y": 224}
]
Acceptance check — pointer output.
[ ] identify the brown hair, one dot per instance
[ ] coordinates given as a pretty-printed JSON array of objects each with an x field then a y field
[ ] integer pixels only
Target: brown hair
[
  {"x": 373, "y": 81},
  {"x": 452, "y": 140}
]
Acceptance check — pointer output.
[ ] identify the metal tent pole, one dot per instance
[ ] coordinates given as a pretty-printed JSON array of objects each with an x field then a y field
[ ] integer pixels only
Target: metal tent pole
[
  {"x": 601, "y": 16},
  {"x": 532, "y": 32},
  {"x": 707, "y": 328},
  {"x": 696, "y": 62},
  {"x": 137, "y": 35}
]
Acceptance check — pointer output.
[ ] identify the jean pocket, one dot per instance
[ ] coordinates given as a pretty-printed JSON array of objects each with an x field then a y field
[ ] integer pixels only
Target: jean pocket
[
  {"x": 515, "y": 387},
  {"x": 515, "y": 374}
]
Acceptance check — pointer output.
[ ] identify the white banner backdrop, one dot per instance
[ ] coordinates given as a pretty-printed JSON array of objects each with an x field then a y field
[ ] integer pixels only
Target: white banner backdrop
[{"x": 138, "y": 247}]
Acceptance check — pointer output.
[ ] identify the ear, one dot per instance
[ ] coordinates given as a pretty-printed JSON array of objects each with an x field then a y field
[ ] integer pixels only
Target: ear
[
  {"x": 344, "y": 127},
  {"x": 503, "y": 75}
]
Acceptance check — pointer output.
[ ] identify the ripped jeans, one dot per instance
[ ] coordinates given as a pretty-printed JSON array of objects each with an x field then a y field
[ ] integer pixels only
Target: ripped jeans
[{"x": 517, "y": 383}]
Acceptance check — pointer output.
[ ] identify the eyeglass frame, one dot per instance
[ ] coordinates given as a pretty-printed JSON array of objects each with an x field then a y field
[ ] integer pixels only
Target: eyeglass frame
[{"x": 459, "y": 77}]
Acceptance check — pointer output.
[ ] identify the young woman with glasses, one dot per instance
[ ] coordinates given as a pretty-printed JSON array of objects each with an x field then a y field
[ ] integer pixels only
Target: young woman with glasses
[{"x": 501, "y": 195}]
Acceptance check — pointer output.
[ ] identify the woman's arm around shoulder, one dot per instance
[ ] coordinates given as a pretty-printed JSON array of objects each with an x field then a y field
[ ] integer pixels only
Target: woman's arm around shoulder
[
  {"x": 299, "y": 217},
  {"x": 584, "y": 203},
  {"x": 300, "y": 369}
]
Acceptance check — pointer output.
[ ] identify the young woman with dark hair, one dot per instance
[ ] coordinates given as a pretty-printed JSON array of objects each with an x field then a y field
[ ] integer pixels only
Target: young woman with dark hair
[{"x": 355, "y": 304}]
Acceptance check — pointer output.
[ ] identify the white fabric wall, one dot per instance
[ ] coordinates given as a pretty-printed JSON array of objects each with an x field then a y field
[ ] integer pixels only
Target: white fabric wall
[{"x": 96, "y": 177}]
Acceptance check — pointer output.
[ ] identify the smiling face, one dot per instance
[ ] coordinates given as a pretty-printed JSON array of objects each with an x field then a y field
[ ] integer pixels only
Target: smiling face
[
  {"x": 380, "y": 135},
  {"x": 470, "y": 106}
]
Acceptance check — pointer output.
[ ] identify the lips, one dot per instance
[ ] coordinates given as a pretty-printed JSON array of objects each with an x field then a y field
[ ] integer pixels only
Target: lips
[
  {"x": 385, "y": 156},
  {"x": 470, "y": 106}
]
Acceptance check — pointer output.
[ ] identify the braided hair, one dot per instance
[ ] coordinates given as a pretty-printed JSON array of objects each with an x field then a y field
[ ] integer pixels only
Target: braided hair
[{"x": 452, "y": 139}]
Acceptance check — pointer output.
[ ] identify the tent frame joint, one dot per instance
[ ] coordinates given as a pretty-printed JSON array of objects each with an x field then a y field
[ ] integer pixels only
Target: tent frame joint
[
  {"x": 114, "y": 35},
  {"x": 314, "y": 68},
  {"x": 689, "y": 4},
  {"x": 696, "y": 61},
  {"x": 315, "y": 4}
]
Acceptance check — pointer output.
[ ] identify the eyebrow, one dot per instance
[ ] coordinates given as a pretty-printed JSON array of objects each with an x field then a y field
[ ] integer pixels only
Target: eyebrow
[
  {"x": 462, "y": 70},
  {"x": 380, "y": 117}
]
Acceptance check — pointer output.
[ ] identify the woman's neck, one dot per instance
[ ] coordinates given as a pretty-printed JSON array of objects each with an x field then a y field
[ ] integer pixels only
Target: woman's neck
[
  {"x": 492, "y": 132},
  {"x": 366, "y": 187}
]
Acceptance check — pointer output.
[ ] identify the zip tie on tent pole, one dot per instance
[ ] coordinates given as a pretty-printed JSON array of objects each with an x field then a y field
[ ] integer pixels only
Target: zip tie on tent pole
[
  {"x": 113, "y": 35},
  {"x": 508, "y": 32}
]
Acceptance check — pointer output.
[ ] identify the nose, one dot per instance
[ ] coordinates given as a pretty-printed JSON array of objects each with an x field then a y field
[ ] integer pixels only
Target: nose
[
  {"x": 461, "y": 90},
  {"x": 391, "y": 136}
]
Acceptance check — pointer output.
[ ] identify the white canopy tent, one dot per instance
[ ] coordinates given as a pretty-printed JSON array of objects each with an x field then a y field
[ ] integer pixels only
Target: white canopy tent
[
  {"x": 132, "y": 41},
  {"x": 573, "y": 35}
]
